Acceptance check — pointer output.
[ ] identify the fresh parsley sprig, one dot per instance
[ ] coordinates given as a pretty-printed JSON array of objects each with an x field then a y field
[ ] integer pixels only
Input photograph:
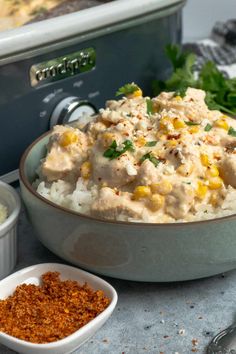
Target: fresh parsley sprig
[
  {"x": 188, "y": 122},
  {"x": 112, "y": 152},
  {"x": 149, "y": 156},
  {"x": 220, "y": 91},
  {"x": 127, "y": 89},
  {"x": 150, "y": 108},
  {"x": 208, "y": 127},
  {"x": 182, "y": 76},
  {"x": 151, "y": 143},
  {"x": 232, "y": 131}
]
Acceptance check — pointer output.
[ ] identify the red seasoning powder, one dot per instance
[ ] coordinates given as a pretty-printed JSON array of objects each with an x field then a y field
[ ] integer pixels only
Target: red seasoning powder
[{"x": 51, "y": 311}]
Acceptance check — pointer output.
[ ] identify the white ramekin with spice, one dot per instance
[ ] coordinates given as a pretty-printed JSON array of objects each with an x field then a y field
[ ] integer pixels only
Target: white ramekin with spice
[{"x": 9, "y": 213}]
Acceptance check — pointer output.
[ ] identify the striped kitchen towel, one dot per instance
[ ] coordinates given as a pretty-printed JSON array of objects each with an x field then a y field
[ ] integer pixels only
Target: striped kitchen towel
[{"x": 220, "y": 48}]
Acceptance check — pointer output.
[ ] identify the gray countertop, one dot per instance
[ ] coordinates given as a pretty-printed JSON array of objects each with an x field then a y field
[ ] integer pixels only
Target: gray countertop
[{"x": 152, "y": 318}]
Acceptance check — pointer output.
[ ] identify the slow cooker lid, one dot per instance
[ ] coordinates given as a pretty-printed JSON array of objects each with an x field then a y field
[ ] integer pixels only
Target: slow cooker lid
[{"x": 90, "y": 20}]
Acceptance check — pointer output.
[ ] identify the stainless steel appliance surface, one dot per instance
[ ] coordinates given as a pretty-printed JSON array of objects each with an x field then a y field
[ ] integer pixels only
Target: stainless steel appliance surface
[{"x": 54, "y": 70}]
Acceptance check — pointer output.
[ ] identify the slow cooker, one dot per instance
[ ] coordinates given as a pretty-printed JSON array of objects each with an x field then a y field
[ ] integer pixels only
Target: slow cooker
[{"x": 54, "y": 70}]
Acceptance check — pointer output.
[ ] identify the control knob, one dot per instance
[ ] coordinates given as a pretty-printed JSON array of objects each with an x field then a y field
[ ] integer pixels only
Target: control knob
[{"x": 71, "y": 109}]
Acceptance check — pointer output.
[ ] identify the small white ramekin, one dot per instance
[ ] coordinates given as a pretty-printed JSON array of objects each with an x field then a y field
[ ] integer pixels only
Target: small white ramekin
[
  {"x": 8, "y": 229},
  {"x": 32, "y": 275}
]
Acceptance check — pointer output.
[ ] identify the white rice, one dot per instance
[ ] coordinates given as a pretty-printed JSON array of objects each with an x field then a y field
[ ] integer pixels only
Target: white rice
[
  {"x": 80, "y": 199},
  {"x": 61, "y": 193}
]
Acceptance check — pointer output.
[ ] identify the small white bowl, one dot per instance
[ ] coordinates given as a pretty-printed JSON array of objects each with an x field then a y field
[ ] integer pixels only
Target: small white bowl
[
  {"x": 31, "y": 275},
  {"x": 8, "y": 229}
]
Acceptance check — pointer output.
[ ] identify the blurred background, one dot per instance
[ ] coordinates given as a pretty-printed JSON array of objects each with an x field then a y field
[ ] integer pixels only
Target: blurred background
[{"x": 200, "y": 16}]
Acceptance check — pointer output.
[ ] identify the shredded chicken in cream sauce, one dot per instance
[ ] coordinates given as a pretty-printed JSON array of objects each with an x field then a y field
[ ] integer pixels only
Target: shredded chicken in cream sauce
[{"x": 155, "y": 159}]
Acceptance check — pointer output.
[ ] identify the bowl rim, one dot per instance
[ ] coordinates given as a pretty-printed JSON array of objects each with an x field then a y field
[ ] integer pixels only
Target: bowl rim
[
  {"x": 79, "y": 332},
  {"x": 10, "y": 220},
  {"x": 29, "y": 187}
]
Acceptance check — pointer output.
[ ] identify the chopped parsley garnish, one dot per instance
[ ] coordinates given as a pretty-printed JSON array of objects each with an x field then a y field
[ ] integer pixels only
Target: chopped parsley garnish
[
  {"x": 127, "y": 89},
  {"x": 220, "y": 90},
  {"x": 208, "y": 127},
  {"x": 181, "y": 92},
  {"x": 112, "y": 152},
  {"x": 150, "y": 108},
  {"x": 232, "y": 131},
  {"x": 149, "y": 156},
  {"x": 191, "y": 123},
  {"x": 151, "y": 143}
]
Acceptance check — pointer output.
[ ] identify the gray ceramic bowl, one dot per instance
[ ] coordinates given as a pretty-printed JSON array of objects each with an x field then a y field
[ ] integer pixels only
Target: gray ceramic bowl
[{"x": 134, "y": 251}]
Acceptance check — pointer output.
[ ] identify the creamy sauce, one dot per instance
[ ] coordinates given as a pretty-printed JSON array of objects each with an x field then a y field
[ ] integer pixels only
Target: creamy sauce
[{"x": 155, "y": 165}]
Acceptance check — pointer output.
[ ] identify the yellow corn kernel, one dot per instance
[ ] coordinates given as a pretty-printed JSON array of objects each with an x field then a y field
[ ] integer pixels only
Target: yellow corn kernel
[
  {"x": 68, "y": 138},
  {"x": 185, "y": 169},
  {"x": 172, "y": 143},
  {"x": 214, "y": 199},
  {"x": 177, "y": 98},
  {"x": 212, "y": 171},
  {"x": 141, "y": 141},
  {"x": 156, "y": 202},
  {"x": 178, "y": 123},
  {"x": 204, "y": 160},
  {"x": 163, "y": 125},
  {"x": 166, "y": 118},
  {"x": 221, "y": 123},
  {"x": 141, "y": 192},
  {"x": 193, "y": 130},
  {"x": 225, "y": 117},
  {"x": 137, "y": 93},
  {"x": 164, "y": 187},
  {"x": 107, "y": 139},
  {"x": 85, "y": 170},
  {"x": 201, "y": 190},
  {"x": 215, "y": 183}
]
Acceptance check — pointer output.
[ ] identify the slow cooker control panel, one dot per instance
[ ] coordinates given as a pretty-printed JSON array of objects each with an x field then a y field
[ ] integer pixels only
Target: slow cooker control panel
[{"x": 70, "y": 109}]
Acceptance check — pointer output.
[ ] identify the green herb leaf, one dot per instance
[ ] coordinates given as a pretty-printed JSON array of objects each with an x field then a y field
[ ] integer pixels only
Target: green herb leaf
[
  {"x": 181, "y": 92},
  {"x": 127, "y": 89},
  {"x": 112, "y": 152},
  {"x": 151, "y": 143},
  {"x": 232, "y": 131},
  {"x": 128, "y": 145},
  {"x": 191, "y": 123},
  {"x": 150, "y": 109},
  {"x": 149, "y": 156},
  {"x": 182, "y": 76},
  {"x": 220, "y": 91},
  {"x": 208, "y": 127},
  {"x": 178, "y": 59}
]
